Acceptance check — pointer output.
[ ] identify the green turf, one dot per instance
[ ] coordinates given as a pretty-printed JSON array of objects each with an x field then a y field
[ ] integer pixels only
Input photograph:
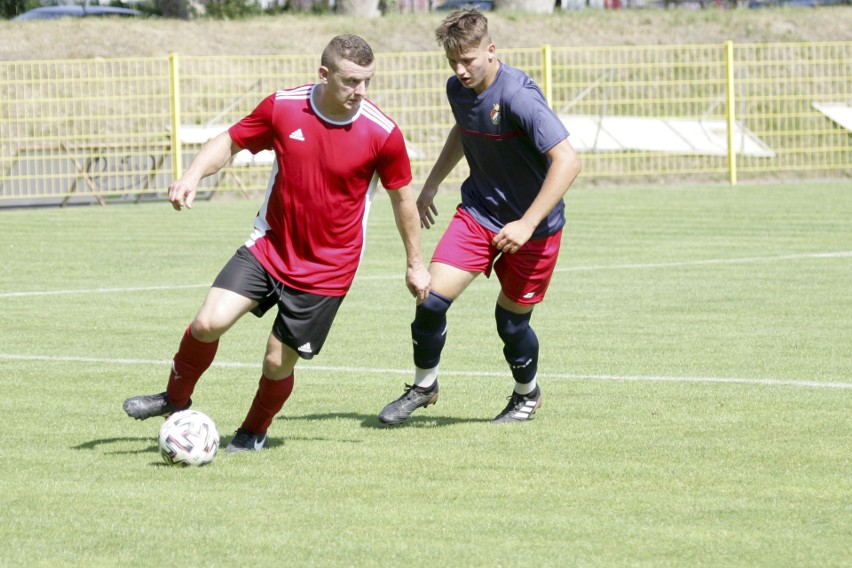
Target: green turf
[{"x": 695, "y": 364}]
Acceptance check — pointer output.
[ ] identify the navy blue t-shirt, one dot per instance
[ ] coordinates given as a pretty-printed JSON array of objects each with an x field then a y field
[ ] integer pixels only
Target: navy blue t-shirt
[{"x": 506, "y": 132}]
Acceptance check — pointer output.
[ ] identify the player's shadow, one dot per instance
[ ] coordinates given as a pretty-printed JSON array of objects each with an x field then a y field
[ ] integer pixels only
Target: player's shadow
[
  {"x": 150, "y": 447},
  {"x": 147, "y": 446},
  {"x": 372, "y": 420}
]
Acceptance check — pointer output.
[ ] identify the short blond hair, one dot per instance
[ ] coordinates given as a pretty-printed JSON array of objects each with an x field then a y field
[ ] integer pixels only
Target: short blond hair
[{"x": 462, "y": 30}]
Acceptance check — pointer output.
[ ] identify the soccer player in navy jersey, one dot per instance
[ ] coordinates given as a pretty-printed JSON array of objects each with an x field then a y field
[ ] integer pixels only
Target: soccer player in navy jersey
[
  {"x": 510, "y": 218},
  {"x": 332, "y": 145}
]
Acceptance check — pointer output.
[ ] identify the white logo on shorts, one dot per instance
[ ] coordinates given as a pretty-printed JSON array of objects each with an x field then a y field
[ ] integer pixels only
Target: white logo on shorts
[
  {"x": 529, "y": 295},
  {"x": 306, "y": 348}
]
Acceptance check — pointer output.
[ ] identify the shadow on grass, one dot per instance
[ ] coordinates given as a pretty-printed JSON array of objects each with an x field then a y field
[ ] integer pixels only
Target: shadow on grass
[
  {"x": 93, "y": 444},
  {"x": 372, "y": 420},
  {"x": 152, "y": 446}
]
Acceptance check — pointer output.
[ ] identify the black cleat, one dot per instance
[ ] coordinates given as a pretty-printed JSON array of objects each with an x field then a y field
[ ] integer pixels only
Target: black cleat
[
  {"x": 245, "y": 441},
  {"x": 146, "y": 406},
  {"x": 521, "y": 407},
  {"x": 413, "y": 398}
]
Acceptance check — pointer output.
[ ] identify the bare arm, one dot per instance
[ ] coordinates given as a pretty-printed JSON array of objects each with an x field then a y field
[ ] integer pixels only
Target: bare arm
[
  {"x": 210, "y": 159},
  {"x": 408, "y": 223},
  {"x": 451, "y": 153},
  {"x": 565, "y": 166}
]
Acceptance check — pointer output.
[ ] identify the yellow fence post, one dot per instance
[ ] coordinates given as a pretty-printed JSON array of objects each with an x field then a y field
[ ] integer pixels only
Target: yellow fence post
[
  {"x": 729, "y": 87},
  {"x": 547, "y": 74},
  {"x": 174, "y": 105}
]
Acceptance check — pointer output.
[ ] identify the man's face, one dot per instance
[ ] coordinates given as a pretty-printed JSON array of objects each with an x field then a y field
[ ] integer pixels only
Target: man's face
[
  {"x": 347, "y": 85},
  {"x": 472, "y": 65}
]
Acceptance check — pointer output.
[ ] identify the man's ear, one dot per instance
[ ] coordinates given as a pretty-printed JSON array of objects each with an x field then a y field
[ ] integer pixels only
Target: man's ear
[{"x": 323, "y": 74}]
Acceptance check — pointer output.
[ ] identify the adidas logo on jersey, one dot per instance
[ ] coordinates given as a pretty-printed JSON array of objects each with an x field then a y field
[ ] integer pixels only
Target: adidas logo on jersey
[
  {"x": 306, "y": 348},
  {"x": 297, "y": 135}
]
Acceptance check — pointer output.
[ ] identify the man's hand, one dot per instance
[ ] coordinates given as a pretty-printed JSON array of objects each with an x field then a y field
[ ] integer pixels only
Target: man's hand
[
  {"x": 182, "y": 194},
  {"x": 210, "y": 159},
  {"x": 426, "y": 207},
  {"x": 418, "y": 281},
  {"x": 513, "y": 236}
]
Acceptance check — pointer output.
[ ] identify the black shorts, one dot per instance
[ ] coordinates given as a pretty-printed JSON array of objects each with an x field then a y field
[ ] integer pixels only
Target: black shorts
[{"x": 304, "y": 320}]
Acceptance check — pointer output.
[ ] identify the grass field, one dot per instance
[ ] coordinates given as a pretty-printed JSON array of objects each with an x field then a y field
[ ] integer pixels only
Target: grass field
[{"x": 695, "y": 365}]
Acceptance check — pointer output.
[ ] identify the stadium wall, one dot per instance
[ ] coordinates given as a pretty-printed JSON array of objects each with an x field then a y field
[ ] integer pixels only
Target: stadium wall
[{"x": 121, "y": 129}]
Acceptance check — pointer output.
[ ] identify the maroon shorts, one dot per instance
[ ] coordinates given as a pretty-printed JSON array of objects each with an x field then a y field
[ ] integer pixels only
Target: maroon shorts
[{"x": 524, "y": 276}]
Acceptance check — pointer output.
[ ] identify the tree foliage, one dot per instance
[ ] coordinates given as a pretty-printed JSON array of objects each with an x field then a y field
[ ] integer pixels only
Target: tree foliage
[
  {"x": 11, "y": 8},
  {"x": 232, "y": 9}
]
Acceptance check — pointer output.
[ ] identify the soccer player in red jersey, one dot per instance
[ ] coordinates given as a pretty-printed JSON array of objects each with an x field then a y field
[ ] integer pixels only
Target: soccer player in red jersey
[
  {"x": 332, "y": 146},
  {"x": 510, "y": 218}
]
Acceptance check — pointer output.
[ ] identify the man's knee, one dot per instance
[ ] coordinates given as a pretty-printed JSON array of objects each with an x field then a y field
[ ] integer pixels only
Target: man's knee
[
  {"x": 432, "y": 313},
  {"x": 213, "y": 320},
  {"x": 219, "y": 311},
  {"x": 428, "y": 330},
  {"x": 279, "y": 362},
  {"x": 511, "y": 327},
  {"x": 204, "y": 329}
]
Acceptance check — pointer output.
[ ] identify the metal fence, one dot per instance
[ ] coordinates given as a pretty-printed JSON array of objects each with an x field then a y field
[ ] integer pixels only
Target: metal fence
[{"x": 122, "y": 129}]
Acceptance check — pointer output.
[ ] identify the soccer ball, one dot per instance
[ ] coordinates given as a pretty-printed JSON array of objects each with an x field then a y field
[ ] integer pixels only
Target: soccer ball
[{"x": 188, "y": 438}]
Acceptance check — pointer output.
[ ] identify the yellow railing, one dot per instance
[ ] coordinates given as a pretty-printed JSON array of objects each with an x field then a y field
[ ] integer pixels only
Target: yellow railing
[{"x": 120, "y": 129}]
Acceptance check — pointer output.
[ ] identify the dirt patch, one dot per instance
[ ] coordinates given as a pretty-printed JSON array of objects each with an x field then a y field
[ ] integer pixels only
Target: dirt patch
[{"x": 291, "y": 34}]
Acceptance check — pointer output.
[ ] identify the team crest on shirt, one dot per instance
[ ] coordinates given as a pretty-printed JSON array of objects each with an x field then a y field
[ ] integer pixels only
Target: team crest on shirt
[{"x": 495, "y": 114}]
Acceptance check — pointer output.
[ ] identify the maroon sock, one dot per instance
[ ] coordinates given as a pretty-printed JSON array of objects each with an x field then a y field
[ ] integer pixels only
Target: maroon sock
[
  {"x": 191, "y": 360},
  {"x": 271, "y": 396}
]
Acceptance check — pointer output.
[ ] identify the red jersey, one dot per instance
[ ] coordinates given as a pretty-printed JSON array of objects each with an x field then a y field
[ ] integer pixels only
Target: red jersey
[{"x": 309, "y": 233}]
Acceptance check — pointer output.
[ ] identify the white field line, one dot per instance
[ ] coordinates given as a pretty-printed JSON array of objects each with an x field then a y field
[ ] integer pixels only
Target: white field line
[
  {"x": 707, "y": 262},
  {"x": 712, "y": 261},
  {"x": 100, "y": 291},
  {"x": 651, "y": 378},
  {"x": 407, "y": 372}
]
